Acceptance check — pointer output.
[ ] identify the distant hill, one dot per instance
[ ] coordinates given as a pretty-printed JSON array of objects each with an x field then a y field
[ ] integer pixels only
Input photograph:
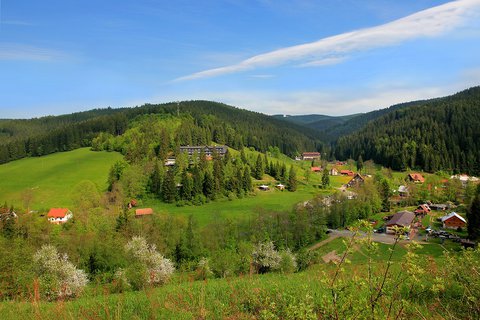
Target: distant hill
[
  {"x": 437, "y": 134},
  {"x": 319, "y": 122},
  {"x": 213, "y": 121}
]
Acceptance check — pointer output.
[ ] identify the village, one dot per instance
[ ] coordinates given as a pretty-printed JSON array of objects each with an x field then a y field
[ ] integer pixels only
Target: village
[{"x": 424, "y": 221}]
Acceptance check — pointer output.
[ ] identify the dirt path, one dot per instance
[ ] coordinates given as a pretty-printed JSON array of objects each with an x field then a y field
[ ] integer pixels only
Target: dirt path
[{"x": 331, "y": 236}]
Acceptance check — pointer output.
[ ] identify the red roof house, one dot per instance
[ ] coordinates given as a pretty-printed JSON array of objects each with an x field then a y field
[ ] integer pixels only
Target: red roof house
[
  {"x": 416, "y": 177},
  {"x": 59, "y": 215},
  {"x": 316, "y": 169},
  {"x": 347, "y": 173},
  {"x": 143, "y": 212},
  {"x": 422, "y": 210}
]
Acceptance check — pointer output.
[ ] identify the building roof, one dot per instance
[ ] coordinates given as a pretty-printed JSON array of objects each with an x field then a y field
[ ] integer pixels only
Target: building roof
[
  {"x": 57, "y": 212},
  {"x": 311, "y": 153},
  {"x": 416, "y": 177},
  {"x": 423, "y": 207},
  {"x": 403, "y": 189},
  {"x": 402, "y": 218},
  {"x": 316, "y": 169},
  {"x": 143, "y": 212},
  {"x": 348, "y": 172},
  {"x": 451, "y": 215}
]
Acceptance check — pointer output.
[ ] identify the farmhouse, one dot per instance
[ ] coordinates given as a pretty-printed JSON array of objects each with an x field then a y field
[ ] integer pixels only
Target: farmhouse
[
  {"x": 143, "y": 212},
  {"x": 453, "y": 221},
  {"x": 311, "y": 155},
  {"x": 356, "y": 180},
  {"x": 422, "y": 210},
  {"x": 334, "y": 172},
  {"x": 347, "y": 173},
  {"x": 400, "y": 219},
  {"x": 59, "y": 215},
  {"x": 264, "y": 187},
  {"x": 416, "y": 177},
  {"x": 280, "y": 186},
  {"x": 316, "y": 169},
  {"x": 208, "y": 150}
]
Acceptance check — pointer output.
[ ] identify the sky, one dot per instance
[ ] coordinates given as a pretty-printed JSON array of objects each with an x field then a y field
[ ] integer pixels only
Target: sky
[{"x": 332, "y": 57}]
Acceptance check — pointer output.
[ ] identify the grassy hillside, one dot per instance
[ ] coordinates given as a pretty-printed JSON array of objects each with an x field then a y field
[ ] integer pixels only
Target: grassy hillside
[
  {"x": 303, "y": 295},
  {"x": 52, "y": 177}
]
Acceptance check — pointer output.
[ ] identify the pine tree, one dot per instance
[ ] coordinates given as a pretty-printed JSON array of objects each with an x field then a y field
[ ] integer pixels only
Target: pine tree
[
  {"x": 259, "y": 170},
  {"x": 247, "y": 179},
  {"x": 359, "y": 163},
  {"x": 156, "y": 180},
  {"x": 292, "y": 180},
  {"x": 187, "y": 186},
  {"x": 385, "y": 192},
  {"x": 473, "y": 217},
  {"x": 169, "y": 189},
  {"x": 325, "y": 178},
  {"x": 243, "y": 156},
  {"x": 283, "y": 172},
  {"x": 209, "y": 186},
  {"x": 197, "y": 176}
]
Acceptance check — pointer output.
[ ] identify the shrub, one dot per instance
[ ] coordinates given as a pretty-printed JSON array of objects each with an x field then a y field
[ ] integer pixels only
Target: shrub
[
  {"x": 59, "y": 278},
  {"x": 203, "y": 269},
  {"x": 288, "y": 262},
  {"x": 149, "y": 266},
  {"x": 265, "y": 257}
]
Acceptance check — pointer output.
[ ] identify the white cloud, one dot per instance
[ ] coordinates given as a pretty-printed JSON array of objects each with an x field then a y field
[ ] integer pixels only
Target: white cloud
[
  {"x": 9, "y": 51},
  {"x": 324, "y": 62},
  {"x": 427, "y": 23}
]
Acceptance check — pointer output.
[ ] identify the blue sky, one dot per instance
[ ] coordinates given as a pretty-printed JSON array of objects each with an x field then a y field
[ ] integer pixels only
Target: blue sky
[{"x": 272, "y": 56}]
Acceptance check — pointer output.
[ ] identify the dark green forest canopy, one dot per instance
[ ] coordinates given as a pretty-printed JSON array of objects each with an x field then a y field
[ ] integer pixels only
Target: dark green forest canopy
[
  {"x": 218, "y": 122},
  {"x": 438, "y": 134}
]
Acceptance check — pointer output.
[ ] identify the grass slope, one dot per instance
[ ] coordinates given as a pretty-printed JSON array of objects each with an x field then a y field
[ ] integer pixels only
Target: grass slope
[
  {"x": 52, "y": 177},
  {"x": 232, "y": 298}
]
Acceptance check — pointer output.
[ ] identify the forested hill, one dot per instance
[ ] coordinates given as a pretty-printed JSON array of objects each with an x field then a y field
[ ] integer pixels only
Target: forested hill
[
  {"x": 211, "y": 122},
  {"x": 319, "y": 122},
  {"x": 438, "y": 134}
]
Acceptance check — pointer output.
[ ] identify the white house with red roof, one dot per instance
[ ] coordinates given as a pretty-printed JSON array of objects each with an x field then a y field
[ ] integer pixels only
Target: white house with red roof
[{"x": 59, "y": 215}]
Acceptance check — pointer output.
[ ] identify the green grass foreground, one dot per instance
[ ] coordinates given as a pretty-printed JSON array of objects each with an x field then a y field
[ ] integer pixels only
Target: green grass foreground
[
  {"x": 303, "y": 295},
  {"x": 51, "y": 178}
]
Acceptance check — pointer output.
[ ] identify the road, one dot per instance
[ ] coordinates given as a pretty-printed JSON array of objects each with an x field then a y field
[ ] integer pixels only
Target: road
[{"x": 377, "y": 237}]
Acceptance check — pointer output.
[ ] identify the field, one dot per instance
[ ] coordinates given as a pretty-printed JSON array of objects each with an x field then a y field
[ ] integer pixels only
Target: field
[
  {"x": 272, "y": 200},
  {"x": 50, "y": 178},
  {"x": 233, "y": 298}
]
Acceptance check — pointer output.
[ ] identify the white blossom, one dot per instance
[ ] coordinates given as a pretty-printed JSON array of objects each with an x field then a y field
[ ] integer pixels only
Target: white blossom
[
  {"x": 60, "y": 277},
  {"x": 159, "y": 268},
  {"x": 265, "y": 257}
]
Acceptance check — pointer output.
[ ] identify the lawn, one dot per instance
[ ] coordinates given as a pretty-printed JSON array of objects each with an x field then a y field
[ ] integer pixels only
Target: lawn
[
  {"x": 272, "y": 200},
  {"x": 50, "y": 178}
]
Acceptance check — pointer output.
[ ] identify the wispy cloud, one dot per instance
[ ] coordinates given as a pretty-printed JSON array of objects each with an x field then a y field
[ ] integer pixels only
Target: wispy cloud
[
  {"x": 262, "y": 76},
  {"x": 427, "y": 23},
  {"x": 10, "y": 51}
]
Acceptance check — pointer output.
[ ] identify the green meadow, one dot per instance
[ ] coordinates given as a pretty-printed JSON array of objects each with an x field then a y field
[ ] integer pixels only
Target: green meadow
[{"x": 49, "y": 179}]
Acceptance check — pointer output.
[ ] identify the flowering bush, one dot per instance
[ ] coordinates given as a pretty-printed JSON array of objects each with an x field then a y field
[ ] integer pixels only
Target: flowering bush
[
  {"x": 265, "y": 257},
  {"x": 155, "y": 268},
  {"x": 59, "y": 278}
]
